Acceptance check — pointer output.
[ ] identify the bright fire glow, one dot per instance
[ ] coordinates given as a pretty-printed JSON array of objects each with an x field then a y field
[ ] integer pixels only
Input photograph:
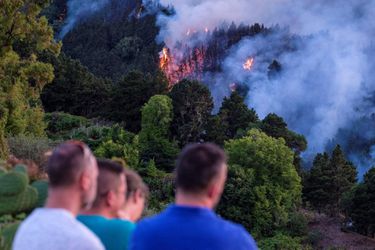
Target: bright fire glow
[
  {"x": 164, "y": 58},
  {"x": 178, "y": 66},
  {"x": 248, "y": 64}
]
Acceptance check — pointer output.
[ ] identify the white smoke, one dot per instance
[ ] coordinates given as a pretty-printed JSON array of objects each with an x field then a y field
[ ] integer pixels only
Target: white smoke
[
  {"x": 79, "y": 9},
  {"x": 323, "y": 82}
]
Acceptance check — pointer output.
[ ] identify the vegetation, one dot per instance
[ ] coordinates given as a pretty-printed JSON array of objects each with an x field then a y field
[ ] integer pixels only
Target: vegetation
[
  {"x": 24, "y": 34},
  {"x": 17, "y": 196},
  {"x": 263, "y": 186},
  {"x": 328, "y": 180},
  {"x": 106, "y": 90}
]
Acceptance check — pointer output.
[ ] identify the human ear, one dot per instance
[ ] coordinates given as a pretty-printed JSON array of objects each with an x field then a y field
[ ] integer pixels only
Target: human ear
[
  {"x": 85, "y": 181},
  {"x": 109, "y": 198}
]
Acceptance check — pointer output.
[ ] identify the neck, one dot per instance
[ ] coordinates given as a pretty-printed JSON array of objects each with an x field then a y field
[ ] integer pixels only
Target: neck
[
  {"x": 184, "y": 199},
  {"x": 67, "y": 199},
  {"x": 126, "y": 214},
  {"x": 102, "y": 211}
]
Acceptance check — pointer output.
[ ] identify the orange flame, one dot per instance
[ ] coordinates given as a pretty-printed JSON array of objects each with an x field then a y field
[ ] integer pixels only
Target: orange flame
[
  {"x": 248, "y": 64},
  {"x": 177, "y": 67},
  {"x": 164, "y": 58}
]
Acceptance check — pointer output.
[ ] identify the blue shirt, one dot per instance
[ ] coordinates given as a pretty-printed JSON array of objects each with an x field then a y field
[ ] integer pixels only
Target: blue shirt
[
  {"x": 115, "y": 234},
  {"x": 190, "y": 228}
]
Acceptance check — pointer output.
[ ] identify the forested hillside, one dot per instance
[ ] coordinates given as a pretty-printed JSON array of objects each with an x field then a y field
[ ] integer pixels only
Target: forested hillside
[{"x": 103, "y": 81}]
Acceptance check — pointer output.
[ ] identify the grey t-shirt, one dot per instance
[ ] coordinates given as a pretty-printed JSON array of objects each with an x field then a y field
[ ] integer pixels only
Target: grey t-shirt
[{"x": 54, "y": 229}]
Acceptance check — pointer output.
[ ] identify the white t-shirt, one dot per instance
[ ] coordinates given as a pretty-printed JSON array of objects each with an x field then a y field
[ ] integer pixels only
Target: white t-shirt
[{"x": 54, "y": 229}]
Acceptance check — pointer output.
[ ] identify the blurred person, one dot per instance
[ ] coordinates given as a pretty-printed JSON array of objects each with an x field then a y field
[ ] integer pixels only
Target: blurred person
[
  {"x": 101, "y": 218},
  {"x": 191, "y": 223},
  {"x": 136, "y": 196},
  {"x": 72, "y": 170}
]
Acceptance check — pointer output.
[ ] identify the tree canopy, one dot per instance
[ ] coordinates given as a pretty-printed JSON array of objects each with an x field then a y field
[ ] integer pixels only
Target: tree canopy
[
  {"x": 24, "y": 34},
  {"x": 263, "y": 186}
]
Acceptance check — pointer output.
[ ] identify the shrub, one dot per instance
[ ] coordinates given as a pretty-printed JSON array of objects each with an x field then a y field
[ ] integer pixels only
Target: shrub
[
  {"x": 280, "y": 242},
  {"x": 314, "y": 237},
  {"x": 60, "y": 124},
  {"x": 297, "y": 224},
  {"x": 30, "y": 148}
]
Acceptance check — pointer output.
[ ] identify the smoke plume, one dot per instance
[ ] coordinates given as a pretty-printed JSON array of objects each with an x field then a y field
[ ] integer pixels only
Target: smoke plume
[
  {"x": 326, "y": 83},
  {"x": 78, "y": 10}
]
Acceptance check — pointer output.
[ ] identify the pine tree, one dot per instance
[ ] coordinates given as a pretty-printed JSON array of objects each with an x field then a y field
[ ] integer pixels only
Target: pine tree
[
  {"x": 362, "y": 209},
  {"x": 235, "y": 112},
  {"x": 317, "y": 183},
  {"x": 344, "y": 177},
  {"x": 328, "y": 180}
]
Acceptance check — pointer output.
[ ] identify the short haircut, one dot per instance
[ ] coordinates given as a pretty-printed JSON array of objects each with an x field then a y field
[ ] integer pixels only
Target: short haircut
[
  {"x": 134, "y": 182},
  {"x": 197, "y": 166},
  {"x": 109, "y": 178},
  {"x": 67, "y": 163}
]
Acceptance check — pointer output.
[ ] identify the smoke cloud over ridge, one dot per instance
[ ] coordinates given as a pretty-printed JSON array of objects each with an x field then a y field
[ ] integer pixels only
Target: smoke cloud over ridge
[{"x": 326, "y": 83}]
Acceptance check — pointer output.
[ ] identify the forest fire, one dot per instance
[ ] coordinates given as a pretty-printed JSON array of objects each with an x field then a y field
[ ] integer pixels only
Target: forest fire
[
  {"x": 164, "y": 58},
  {"x": 248, "y": 64},
  {"x": 177, "y": 66}
]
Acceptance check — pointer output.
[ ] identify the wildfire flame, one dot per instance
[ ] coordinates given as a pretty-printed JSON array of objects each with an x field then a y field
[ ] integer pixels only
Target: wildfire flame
[
  {"x": 177, "y": 67},
  {"x": 248, "y": 64},
  {"x": 164, "y": 58}
]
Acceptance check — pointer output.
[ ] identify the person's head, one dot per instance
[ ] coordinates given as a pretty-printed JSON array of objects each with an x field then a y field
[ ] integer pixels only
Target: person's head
[
  {"x": 201, "y": 172},
  {"x": 136, "y": 195},
  {"x": 111, "y": 189},
  {"x": 73, "y": 168}
]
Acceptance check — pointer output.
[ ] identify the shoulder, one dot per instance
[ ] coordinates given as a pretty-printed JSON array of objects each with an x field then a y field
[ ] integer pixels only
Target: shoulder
[
  {"x": 238, "y": 234},
  {"x": 86, "y": 237},
  {"x": 149, "y": 224},
  {"x": 123, "y": 225}
]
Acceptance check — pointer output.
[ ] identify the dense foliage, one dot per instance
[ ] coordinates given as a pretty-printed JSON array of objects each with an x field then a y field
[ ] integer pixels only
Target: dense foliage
[
  {"x": 362, "y": 204},
  {"x": 106, "y": 89},
  {"x": 263, "y": 185},
  {"x": 328, "y": 180},
  {"x": 24, "y": 34},
  {"x": 192, "y": 106}
]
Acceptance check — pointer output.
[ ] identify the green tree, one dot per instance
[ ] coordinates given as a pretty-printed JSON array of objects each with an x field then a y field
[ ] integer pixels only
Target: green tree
[
  {"x": 344, "y": 177},
  {"x": 275, "y": 126},
  {"x": 328, "y": 180},
  {"x": 236, "y": 113},
  {"x": 263, "y": 186},
  {"x": 3, "y": 143},
  {"x": 192, "y": 106},
  {"x": 130, "y": 94},
  {"x": 317, "y": 185},
  {"x": 157, "y": 115},
  {"x": 24, "y": 35},
  {"x": 363, "y": 205},
  {"x": 75, "y": 90},
  {"x": 234, "y": 116}
]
